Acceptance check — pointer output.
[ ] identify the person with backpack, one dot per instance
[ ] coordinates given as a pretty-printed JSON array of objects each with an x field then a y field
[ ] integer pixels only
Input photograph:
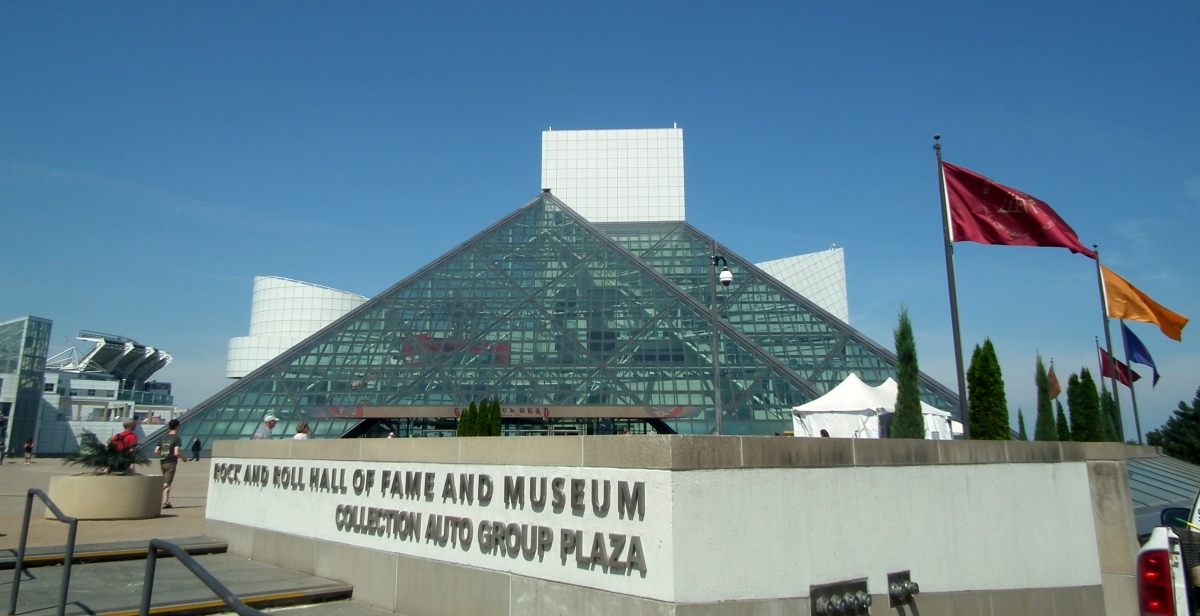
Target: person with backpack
[
  {"x": 168, "y": 450},
  {"x": 122, "y": 441}
]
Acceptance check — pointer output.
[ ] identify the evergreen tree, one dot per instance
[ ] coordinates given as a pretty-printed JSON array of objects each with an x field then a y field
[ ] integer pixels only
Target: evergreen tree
[
  {"x": 1063, "y": 427},
  {"x": 1107, "y": 429},
  {"x": 468, "y": 421},
  {"x": 987, "y": 403},
  {"x": 481, "y": 419},
  {"x": 1091, "y": 397},
  {"x": 493, "y": 419},
  {"x": 1108, "y": 415},
  {"x": 1044, "y": 429},
  {"x": 1084, "y": 403},
  {"x": 1116, "y": 416},
  {"x": 908, "y": 422},
  {"x": 1180, "y": 436},
  {"x": 1073, "y": 406},
  {"x": 1021, "y": 435}
]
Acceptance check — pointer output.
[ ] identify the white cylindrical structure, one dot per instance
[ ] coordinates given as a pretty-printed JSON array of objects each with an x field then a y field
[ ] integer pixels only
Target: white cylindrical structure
[{"x": 284, "y": 312}]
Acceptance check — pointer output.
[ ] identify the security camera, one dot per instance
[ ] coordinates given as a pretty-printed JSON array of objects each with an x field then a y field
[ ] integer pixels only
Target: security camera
[{"x": 726, "y": 277}]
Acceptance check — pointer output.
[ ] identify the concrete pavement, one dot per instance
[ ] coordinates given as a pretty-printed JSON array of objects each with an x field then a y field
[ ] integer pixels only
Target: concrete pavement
[
  {"x": 116, "y": 587},
  {"x": 186, "y": 519},
  {"x": 99, "y": 588}
]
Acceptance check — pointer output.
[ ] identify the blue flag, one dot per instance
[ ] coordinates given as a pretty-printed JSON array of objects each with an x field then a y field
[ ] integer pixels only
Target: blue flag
[{"x": 1136, "y": 351}]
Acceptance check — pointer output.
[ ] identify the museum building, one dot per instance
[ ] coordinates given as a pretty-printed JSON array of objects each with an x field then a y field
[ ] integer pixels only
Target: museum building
[{"x": 588, "y": 310}]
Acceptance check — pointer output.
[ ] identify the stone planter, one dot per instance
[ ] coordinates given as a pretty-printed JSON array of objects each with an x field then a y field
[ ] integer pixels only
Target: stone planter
[{"x": 107, "y": 497}]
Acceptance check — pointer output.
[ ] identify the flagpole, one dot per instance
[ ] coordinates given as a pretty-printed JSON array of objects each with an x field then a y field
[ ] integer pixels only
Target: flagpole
[
  {"x": 1137, "y": 421},
  {"x": 1112, "y": 372},
  {"x": 958, "y": 356}
]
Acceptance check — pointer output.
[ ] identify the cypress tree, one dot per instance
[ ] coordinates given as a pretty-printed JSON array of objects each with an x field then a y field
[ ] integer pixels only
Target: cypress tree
[
  {"x": 1084, "y": 403},
  {"x": 1109, "y": 415},
  {"x": 1091, "y": 398},
  {"x": 493, "y": 418},
  {"x": 1044, "y": 429},
  {"x": 1021, "y": 435},
  {"x": 467, "y": 421},
  {"x": 987, "y": 403},
  {"x": 908, "y": 422},
  {"x": 1073, "y": 404},
  {"x": 974, "y": 406},
  {"x": 1109, "y": 431},
  {"x": 1002, "y": 427},
  {"x": 1064, "y": 428}
]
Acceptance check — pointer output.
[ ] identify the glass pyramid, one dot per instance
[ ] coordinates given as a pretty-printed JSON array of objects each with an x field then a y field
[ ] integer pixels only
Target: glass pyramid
[{"x": 574, "y": 327}]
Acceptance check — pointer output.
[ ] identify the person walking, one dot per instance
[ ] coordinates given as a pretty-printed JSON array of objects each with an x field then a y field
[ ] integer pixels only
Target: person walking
[
  {"x": 28, "y": 452},
  {"x": 196, "y": 447},
  {"x": 168, "y": 451},
  {"x": 301, "y": 431},
  {"x": 263, "y": 432}
]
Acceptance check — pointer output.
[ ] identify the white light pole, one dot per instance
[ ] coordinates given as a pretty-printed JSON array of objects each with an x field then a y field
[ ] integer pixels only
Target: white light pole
[{"x": 726, "y": 278}]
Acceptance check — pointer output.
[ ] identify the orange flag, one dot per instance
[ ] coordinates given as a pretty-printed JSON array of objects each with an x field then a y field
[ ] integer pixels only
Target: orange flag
[
  {"x": 1124, "y": 301},
  {"x": 1055, "y": 388}
]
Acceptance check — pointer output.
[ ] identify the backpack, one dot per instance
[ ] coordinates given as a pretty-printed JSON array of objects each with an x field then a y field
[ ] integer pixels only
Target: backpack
[{"x": 120, "y": 442}]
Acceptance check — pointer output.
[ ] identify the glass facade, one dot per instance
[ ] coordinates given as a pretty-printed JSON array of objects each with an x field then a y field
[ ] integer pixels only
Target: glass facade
[
  {"x": 819, "y": 348},
  {"x": 24, "y": 343},
  {"x": 567, "y": 324}
]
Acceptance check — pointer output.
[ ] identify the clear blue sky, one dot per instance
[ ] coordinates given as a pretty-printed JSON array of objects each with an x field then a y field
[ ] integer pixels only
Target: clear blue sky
[{"x": 154, "y": 157}]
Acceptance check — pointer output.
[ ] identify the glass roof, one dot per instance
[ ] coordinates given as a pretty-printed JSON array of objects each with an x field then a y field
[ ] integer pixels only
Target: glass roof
[
  {"x": 1160, "y": 480},
  {"x": 555, "y": 316}
]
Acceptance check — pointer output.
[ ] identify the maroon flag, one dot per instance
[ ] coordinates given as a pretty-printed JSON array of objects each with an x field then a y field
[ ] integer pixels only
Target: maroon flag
[
  {"x": 1110, "y": 367},
  {"x": 989, "y": 213}
]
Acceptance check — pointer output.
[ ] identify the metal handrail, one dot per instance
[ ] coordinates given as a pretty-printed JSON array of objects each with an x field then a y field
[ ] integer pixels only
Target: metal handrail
[
  {"x": 67, "y": 557},
  {"x": 231, "y": 600}
]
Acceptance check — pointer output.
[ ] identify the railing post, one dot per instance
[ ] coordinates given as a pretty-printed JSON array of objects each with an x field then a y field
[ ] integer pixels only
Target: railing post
[
  {"x": 20, "y": 564},
  {"x": 66, "y": 573},
  {"x": 68, "y": 555},
  {"x": 148, "y": 582}
]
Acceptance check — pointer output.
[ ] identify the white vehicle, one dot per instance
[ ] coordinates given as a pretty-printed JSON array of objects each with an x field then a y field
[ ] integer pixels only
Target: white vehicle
[{"x": 1168, "y": 565}]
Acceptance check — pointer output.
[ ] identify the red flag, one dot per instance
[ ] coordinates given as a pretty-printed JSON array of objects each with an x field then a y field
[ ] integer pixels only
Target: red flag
[
  {"x": 1108, "y": 365},
  {"x": 989, "y": 213},
  {"x": 1055, "y": 388}
]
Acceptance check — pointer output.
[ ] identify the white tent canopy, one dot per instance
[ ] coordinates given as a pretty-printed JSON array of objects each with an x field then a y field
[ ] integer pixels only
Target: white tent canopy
[{"x": 852, "y": 410}]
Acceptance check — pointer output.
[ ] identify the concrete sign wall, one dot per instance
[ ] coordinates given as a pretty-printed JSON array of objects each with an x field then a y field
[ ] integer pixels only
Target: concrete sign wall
[
  {"x": 730, "y": 523},
  {"x": 602, "y": 528}
]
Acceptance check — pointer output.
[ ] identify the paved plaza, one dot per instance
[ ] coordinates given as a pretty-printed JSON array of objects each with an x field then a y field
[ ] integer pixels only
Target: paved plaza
[
  {"x": 185, "y": 519},
  {"x": 116, "y": 585}
]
